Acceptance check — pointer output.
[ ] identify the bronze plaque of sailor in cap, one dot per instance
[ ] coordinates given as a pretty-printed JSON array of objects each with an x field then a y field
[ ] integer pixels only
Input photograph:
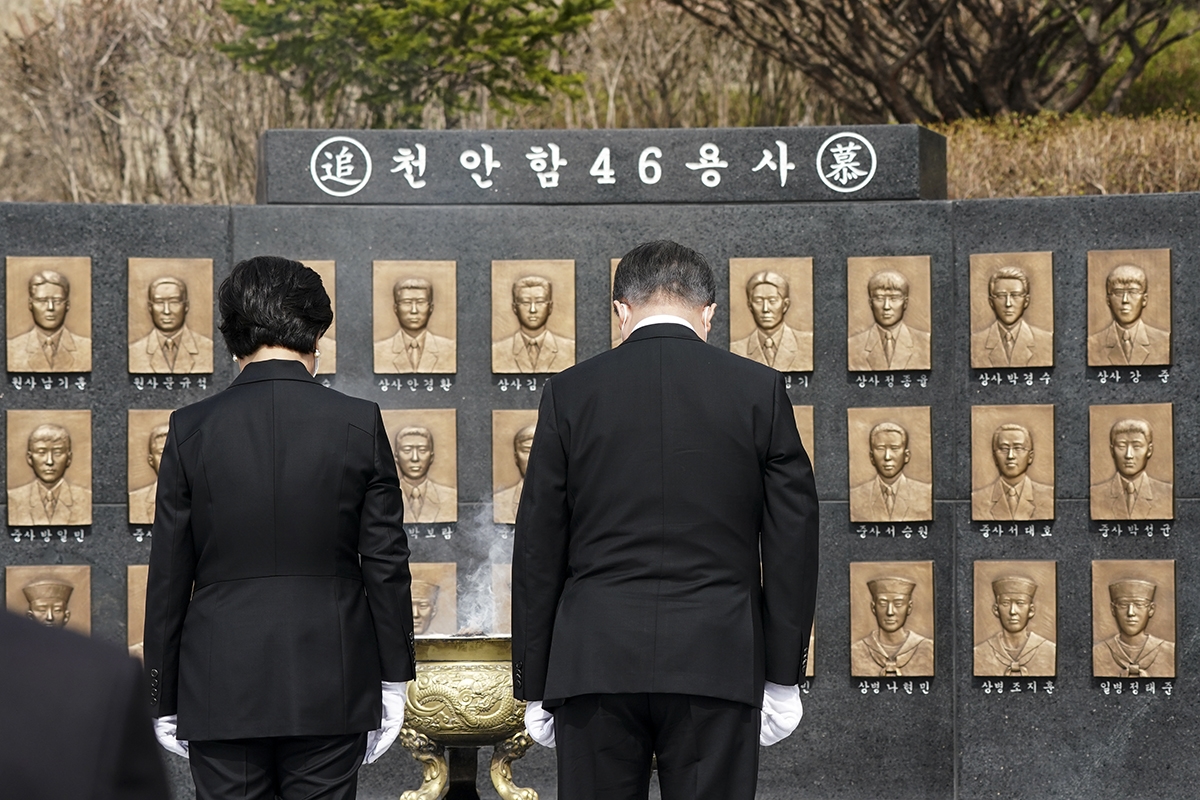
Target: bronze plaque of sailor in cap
[
  {"x": 57, "y": 596},
  {"x": 1017, "y": 649},
  {"x": 893, "y": 647},
  {"x": 1134, "y": 599}
]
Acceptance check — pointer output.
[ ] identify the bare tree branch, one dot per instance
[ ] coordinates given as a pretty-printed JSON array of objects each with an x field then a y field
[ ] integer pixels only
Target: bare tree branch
[{"x": 930, "y": 60}]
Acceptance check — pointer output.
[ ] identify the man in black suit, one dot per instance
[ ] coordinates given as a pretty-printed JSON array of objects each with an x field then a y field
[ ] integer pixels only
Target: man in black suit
[
  {"x": 278, "y": 609},
  {"x": 643, "y": 621},
  {"x": 83, "y": 733}
]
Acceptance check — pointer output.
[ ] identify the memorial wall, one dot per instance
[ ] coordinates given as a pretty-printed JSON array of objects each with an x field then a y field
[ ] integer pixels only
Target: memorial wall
[{"x": 997, "y": 397}]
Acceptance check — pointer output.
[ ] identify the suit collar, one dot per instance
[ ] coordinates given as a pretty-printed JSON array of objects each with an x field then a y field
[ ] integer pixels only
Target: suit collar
[
  {"x": 664, "y": 330},
  {"x": 1024, "y": 496},
  {"x": 273, "y": 370},
  {"x": 185, "y": 338},
  {"x": 1020, "y": 338},
  {"x": 902, "y": 336},
  {"x": 65, "y": 340},
  {"x": 785, "y": 342},
  {"x": 401, "y": 339}
]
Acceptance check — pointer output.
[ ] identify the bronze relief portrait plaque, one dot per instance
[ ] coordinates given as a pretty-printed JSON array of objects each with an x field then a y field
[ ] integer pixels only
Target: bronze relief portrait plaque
[
  {"x": 810, "y": 665},
  {"x": 1132, "y": 462},
  {"x": 1133, "y": 619},
  {"x": 57, "y": 596},
  {"x": 1012, "y": 310},
  {"x": 891, "y": 619},
  {"x": 146, "y": 439},
  {"x": 512, "y": 439},
  {"x": 615, "y": 324},
  {"x": 502, "y": 598},
  {"x": 136, "y": 575},
  {"x": 415, "y": 320},
  {"x": 49, "y": 467},
  {"x": 1016, "y": 619},
  {"x": 891, "y": 464},
  {"x": 1129, "y": 308},
  {"x": 425, "y": 446},
  {"x": 533, "y": 316},
  {"x": 434, "y": 598},
  {"x": 771, "y": 311},
  {"x": 48, "y": 314},
  {"x": 888, "y": 313},
  {"x": 1012, "y": 462},
  {"x": 805, "y": 425},
  {"x": 170, "y": 315},
  {"x": 327, "y": 344}
]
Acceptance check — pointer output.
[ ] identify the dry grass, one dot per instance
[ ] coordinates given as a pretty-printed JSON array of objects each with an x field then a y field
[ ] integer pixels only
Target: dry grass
[
  {"x": 127, "y": 101},
  {"x": 1047, "y": 155}
]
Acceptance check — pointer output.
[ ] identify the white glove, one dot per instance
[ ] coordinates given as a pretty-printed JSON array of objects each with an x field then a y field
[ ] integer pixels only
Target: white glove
[
  {"x": 395, "y": 694},
  {"x": 540, "y": 723},
  {"x": 164, "y": 731},
  {"x": 781, "y": 713}
]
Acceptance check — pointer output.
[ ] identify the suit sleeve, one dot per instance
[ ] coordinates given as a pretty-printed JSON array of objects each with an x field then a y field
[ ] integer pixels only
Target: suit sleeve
[
  {"x": 539, "y": 553},
  {"x": 172, "y": 572},
  {"x": 789, "y": 546},
  {"x": 138, "y": 772},
  {"x": 383, "y": 546}
]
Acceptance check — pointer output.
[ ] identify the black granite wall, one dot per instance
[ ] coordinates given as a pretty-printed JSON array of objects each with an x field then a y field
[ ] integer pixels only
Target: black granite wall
[{"x": 950, "y": 736}]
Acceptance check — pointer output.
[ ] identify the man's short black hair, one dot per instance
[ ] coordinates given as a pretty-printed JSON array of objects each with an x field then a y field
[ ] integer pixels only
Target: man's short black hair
[
  {"x": 664, "y": 270},
  {"x": 268, "y": 301}
]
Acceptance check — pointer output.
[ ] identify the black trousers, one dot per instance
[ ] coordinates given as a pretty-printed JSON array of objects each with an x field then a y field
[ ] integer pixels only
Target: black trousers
[
  {"x": 289, "y": 767},
  {"x": 707, "y": 749}
]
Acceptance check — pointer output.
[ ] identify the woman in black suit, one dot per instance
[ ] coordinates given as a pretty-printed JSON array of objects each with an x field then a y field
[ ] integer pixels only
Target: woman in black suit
[{"x": 278, "y": 601}]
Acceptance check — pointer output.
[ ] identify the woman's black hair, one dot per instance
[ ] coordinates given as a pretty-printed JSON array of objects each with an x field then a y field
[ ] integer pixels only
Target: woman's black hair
[{"x": 268, "y": 301}]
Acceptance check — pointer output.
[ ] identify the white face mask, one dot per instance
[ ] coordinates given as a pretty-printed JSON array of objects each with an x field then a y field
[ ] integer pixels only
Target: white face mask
[{"x": 316, "y": 362}]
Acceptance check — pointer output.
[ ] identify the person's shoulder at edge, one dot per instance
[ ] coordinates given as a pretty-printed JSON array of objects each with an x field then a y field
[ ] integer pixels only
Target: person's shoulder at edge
[{"x": 61, "y": 647}]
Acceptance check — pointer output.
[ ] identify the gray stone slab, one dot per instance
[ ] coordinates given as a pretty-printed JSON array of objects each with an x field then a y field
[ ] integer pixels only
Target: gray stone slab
[
  {"x": 956, "y": 741},
  {"x": 852, "y": 744},
  {"x": 1070, "y": 227},
  {"x": 110, "y": 235},
  {"x": 473, "y": 236},
  {"x": 724, "y": 165},
  {"x": 1077, "y": 742}
]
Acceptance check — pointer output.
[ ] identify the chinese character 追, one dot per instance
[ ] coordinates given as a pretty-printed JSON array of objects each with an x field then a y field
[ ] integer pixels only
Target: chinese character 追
[
  {"x": 472, "y": 160},
  {"x": 710, "y": 161},
  {"x": 334, "y": 166},
  {"x": 339, "y": 167},
  {"x": 546, "y": 164},
  {"x": 411, "y": 164},
  {"x": 768, "y": 160}
]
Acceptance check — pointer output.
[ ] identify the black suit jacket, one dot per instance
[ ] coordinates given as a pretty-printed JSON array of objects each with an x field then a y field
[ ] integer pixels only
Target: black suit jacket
[
  {"x": 278, "y": 499},
  {"x": 659, "y": 472},
  {"x": 73, "y": 721}
]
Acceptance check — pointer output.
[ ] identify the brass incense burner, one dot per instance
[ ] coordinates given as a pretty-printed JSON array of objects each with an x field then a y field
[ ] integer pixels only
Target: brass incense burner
[{"x": 462, "y": 700}]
